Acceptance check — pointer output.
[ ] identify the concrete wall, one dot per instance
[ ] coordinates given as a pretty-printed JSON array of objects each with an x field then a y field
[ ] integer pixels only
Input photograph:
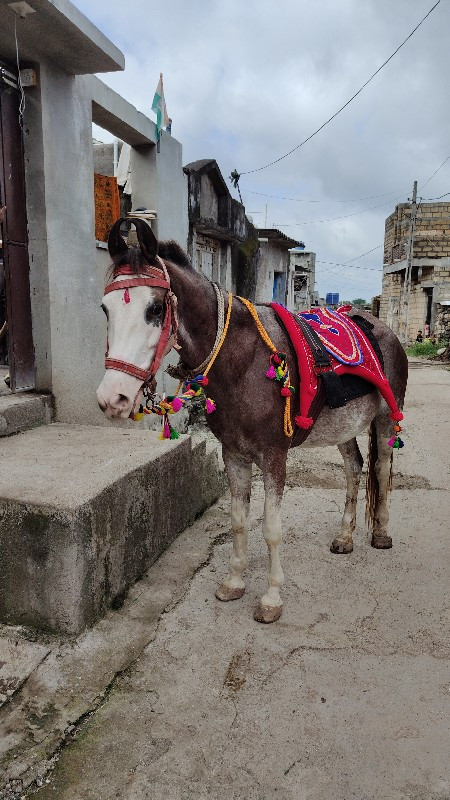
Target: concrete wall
[
  {"x": 272, "y": 258},
  {"x": 67, "y": 271},
  {"x": 172, "y": 193}
]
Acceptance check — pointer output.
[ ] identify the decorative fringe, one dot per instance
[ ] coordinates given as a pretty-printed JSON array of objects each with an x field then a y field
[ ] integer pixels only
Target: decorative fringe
[{"x": 304, "y": 422}]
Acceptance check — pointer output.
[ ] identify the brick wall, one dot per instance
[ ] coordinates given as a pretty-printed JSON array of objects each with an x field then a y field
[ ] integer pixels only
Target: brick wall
[{"x": 432, "y": 233}]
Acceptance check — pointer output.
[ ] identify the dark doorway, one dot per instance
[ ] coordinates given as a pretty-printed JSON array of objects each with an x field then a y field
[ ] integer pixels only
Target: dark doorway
[{"x": 15, "y": 268}]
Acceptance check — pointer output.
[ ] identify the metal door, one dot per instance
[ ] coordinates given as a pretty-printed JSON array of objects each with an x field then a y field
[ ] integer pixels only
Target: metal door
[{"x": 15, "y": 240}]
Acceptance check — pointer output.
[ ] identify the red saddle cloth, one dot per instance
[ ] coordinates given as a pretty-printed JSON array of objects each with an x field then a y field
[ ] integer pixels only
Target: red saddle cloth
[{"x": 349, "y": 351}]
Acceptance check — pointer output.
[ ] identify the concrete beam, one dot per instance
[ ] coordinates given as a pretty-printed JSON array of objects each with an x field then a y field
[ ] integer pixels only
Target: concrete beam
[
  {"x": 118, "y": 116},
  {"x": 60, "y": 32}
]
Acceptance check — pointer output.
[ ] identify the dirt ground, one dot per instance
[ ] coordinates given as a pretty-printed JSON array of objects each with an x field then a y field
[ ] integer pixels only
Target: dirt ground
[{"x": 345, "y": 697}]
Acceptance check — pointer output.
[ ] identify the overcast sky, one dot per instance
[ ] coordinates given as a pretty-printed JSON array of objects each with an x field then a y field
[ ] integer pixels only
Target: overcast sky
[{"x": 247, "y": 80}]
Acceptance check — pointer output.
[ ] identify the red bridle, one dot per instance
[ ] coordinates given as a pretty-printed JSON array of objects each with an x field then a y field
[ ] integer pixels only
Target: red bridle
[{"x": 148, "y": 276}]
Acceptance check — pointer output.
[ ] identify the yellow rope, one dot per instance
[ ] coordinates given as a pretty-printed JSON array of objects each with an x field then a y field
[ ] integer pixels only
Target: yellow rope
[
  {"x": 262, "y": 331},
  {"x": 224, "y": 333},
  {"x": 287, "y": 424}
]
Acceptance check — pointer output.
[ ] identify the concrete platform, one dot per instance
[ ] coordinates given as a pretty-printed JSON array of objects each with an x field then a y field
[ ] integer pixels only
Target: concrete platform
[
  {"x": 20, "y": 412},
  {"x": 85, "y": 511}
]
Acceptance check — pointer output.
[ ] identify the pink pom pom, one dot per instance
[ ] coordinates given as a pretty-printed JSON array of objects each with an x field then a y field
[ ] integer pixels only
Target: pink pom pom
[
  {"x": 210, "y": 406},
  {"x": 166, "y": 431},
  {"x": 176, "y": 404},
  {"x": 304, "y": 422},
  {"x": 271, "y": 373},
  {"x": 392, "y": 441}
]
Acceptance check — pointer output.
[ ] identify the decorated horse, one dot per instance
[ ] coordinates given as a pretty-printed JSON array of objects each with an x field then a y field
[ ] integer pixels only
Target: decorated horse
[{"x": 272, "y": 380}]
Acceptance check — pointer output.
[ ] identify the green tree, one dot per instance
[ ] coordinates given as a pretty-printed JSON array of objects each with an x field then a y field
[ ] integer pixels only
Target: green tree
[{"x": 359, "y": 301}]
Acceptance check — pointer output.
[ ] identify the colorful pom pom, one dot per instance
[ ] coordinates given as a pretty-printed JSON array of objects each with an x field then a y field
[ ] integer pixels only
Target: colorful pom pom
[
  {"x": 286, "y": 392},
  {"x": 397, "y": 416},
  {"x": 176, "y": 404},
  {"x": 271, "y": 373},
  {"x": 210, "y": 406}
]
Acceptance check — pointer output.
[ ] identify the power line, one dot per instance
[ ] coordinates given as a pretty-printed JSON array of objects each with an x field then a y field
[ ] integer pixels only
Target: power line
[
  {"x": 351, "y": 266},
  {"x": 277, "y": 160},
  {"x": 434, "y": 173},
  {"x": 331, "y": 219},
  {"x": 302, "y": 200},
  {"x": 431, "y": 199}
]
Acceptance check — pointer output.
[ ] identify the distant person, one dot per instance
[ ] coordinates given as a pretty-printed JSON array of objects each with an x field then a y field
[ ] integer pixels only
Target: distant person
[
  {"x": 426, "y": 330},
  {"x": 419, "y": 337}
]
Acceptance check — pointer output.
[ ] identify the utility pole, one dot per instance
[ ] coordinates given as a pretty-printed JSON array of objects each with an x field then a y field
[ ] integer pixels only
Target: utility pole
[{"x": 408, "y": 270}]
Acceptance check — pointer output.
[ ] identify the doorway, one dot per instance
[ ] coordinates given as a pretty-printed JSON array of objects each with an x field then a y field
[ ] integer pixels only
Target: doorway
[{"x": 16, "y": 347}]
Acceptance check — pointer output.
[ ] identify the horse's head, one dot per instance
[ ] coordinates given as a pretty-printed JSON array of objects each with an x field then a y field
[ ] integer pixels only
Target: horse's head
[{"x": 140, "y": 309}]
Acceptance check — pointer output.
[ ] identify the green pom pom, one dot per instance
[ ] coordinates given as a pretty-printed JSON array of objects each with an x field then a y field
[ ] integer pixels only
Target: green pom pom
[
  {"x": 195, "y": 386},
  {"x": 174, "y": 434}
]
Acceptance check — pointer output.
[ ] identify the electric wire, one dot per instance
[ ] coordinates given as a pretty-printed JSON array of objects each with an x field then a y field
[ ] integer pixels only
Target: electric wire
[
  {"x": 277, "y": 160},
  {"x": 19, "y": 79},
  {"x": 302, "y": 200},
  {"x": 434, "y": 173}
]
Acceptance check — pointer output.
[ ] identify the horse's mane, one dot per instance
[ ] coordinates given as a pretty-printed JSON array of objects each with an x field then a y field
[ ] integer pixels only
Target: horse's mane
[{"x": 168, "y": 251}]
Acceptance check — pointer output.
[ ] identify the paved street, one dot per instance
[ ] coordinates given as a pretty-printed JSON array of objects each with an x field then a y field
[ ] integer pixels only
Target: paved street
[{"x": 346, "y": 697}]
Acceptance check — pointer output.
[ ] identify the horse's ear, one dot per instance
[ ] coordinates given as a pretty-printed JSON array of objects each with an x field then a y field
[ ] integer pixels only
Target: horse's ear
[
  {"x": 116, "y": 243},
  {"x": 147, "y": 240}
]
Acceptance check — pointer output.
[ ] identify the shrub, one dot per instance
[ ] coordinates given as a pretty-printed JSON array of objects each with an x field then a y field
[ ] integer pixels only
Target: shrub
[{"x": 424, "y": 348}]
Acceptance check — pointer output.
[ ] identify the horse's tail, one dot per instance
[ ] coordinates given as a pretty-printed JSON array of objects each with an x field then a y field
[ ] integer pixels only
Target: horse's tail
[{"x": 372, "y": 485}]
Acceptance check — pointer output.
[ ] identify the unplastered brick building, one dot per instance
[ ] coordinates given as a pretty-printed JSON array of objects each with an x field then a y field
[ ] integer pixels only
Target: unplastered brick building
[{"x": 429, "y": 292}]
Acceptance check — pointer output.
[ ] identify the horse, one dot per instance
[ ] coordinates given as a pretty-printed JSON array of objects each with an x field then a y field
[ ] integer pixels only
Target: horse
[{"x": 156, "y": 297}]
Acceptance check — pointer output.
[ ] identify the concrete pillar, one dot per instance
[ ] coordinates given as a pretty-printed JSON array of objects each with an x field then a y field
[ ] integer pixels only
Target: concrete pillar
[{"x": 68, "y": 285}]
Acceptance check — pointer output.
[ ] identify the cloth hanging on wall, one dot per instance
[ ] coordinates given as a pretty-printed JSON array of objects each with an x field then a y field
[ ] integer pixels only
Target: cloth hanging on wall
[{"x": 107, "y": 205}]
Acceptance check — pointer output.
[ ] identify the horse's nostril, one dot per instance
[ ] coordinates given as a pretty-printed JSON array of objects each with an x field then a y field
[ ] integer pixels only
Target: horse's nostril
[
  {"x": 122, "y": 400},
  {"x": 102, "y": 406}
]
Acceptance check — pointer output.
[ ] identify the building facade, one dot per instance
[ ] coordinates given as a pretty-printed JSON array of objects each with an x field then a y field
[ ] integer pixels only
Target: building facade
[
  {"x": 424, "y": 304},
  {"x": 275, "y": 273},
  {"x": 54, "y": 267},
  {"x": 217, "y": 224},
  {"x": 303, "y": 266}
]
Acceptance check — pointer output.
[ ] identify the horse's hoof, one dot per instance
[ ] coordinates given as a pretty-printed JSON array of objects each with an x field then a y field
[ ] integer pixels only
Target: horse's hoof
[
  {"x": 341, "y": 546},
  {"x": 226, "y": 593},
  {"x": 267, "y": 614},
  {"x": 382, "y": 542}
]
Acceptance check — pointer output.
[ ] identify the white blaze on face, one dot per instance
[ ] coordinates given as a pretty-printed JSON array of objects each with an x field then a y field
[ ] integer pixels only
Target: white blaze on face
[{"x": 134, "y": 330}]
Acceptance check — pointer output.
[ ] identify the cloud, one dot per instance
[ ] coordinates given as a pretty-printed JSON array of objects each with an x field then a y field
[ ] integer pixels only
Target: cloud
[{"x": 247, "y": 81}]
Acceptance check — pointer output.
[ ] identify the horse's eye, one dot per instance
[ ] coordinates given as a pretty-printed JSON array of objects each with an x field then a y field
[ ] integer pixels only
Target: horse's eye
[{"x": 153, "y": 310}]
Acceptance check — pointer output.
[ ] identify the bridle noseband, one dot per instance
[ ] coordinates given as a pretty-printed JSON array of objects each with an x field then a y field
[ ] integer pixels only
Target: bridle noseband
[{"x": 148, "y": 276}]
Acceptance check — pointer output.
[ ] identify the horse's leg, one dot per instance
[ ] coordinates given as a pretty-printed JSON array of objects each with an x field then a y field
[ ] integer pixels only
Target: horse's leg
[
  {"x": 240, "y": 479},
  {"x": 274, "y": 472},
  {"x": 353, "y": 462},
  {"x": 383, "y": 465}
]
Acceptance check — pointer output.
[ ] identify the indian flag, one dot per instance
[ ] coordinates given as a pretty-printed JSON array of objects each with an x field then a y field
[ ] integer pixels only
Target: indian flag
[{"x": 159, "y": 107}]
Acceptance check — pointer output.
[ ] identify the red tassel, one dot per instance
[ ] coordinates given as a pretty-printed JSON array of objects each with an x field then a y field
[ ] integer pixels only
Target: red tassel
[
  {"x": 397, "y": 416},
  {"x": 304, "y": 422}
]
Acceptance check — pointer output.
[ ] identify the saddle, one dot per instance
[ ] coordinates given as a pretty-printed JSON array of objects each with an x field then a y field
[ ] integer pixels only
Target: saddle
[{"x": 338, "y": 359}]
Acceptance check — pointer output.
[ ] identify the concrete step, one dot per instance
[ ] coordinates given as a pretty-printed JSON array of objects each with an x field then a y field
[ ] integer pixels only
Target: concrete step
[
  {"x": 84, "y": 511},
  {"x": 21, "y": 412}
]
